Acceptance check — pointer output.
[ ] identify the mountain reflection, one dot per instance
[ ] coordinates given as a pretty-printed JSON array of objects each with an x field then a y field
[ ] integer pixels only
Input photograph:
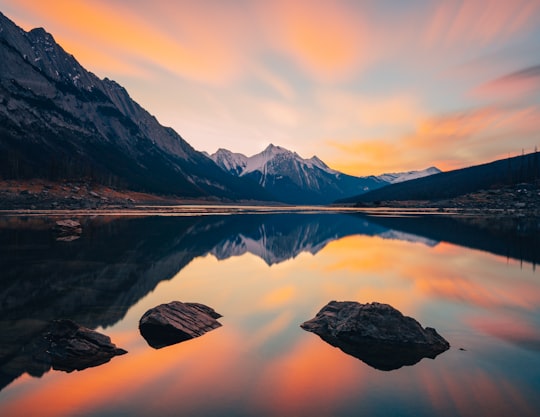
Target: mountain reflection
[
  {"x": 95, "y": 279},
  {"x": 278, "y": 237},
  {"x": 516, "y": 238}
]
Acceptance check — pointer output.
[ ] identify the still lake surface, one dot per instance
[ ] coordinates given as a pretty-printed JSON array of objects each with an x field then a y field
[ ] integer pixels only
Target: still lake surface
[{"x": 475, "y": 281}]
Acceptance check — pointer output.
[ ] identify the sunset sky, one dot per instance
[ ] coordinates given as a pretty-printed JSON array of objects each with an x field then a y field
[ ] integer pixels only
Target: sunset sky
[{"x": 368, "y": 86}]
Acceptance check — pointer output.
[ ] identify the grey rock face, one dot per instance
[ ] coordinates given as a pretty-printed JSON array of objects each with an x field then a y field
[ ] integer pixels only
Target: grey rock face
[
  {"x": 60, "y": 121},
  {"x": 176, "y": 322},
  {"x": 376, "y": 333}
]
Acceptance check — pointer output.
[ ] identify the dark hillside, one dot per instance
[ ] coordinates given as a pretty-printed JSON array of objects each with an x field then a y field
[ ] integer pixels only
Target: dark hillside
[
  {"x": 504, "y": 172},
  {"x": 59, "y": 121}
]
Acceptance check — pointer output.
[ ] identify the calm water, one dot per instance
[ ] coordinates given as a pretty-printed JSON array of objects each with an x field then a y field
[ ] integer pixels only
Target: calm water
[{"x": 475, "y": 282}]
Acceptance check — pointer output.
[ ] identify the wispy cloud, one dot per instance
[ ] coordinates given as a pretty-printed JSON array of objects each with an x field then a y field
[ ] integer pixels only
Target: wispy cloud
[
  {"x": 474, "y": 21},
  {"x": 326, "y": 40},
  {"x": 449, "y": 141},
  {"x": 530, "y": 72},
  {"x": 520, "y": 83},
  {"x": 360, "y": 84}
]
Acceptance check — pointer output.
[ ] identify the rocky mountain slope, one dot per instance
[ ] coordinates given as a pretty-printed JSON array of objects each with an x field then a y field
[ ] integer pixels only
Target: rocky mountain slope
[
  {"x": 296, "y": 180},
  {"x": 60, "y": 121}
]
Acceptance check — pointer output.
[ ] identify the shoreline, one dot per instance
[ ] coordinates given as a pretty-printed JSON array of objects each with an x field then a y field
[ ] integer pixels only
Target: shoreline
[
  {"x": 208, "y": 209},
  {"x": 83, "y": 198}
]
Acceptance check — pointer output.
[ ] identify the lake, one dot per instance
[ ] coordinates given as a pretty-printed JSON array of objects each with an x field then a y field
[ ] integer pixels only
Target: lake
[{"x": 472, "y": 279}]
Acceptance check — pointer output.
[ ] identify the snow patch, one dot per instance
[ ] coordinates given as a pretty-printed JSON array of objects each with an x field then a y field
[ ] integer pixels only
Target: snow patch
[{"x": 396, "y": 177}]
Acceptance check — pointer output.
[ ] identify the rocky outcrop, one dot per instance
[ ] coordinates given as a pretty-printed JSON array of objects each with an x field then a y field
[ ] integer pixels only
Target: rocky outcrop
[
  {"x": 177, "y": 322},
  {"x": 72, "y": 347},
  {"x": 376, "y": 333},
  {"x": 34, "y": 347}
]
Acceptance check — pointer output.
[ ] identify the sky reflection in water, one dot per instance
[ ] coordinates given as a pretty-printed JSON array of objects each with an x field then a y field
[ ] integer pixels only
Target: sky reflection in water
[{"x": 275, "y": 273}]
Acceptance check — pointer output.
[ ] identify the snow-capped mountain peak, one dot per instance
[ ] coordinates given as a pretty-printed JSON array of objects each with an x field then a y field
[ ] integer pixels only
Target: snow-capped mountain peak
[
  {"x": 314, "y": 161},
  {"x": 395, "y": 177},
  {"x": 229, "y": 161},
  {"x": 265, "y": 161},
  {"x": 293, "y": 179},
  {"x": 260, "y": 161}
]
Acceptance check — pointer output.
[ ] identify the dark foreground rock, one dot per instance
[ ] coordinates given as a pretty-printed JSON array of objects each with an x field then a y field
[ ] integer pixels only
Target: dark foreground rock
[
  {"x": 34, "y": 347},
  {"x": 375, "y": 333},
  {"x": 73, "y": 347},
  {"x": 176, "y": 322}
]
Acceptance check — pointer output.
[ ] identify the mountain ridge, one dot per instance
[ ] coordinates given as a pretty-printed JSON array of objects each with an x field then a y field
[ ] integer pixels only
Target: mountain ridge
[
  {"x": 309, "y": 179},
  {"x": 58, "y": 120}
]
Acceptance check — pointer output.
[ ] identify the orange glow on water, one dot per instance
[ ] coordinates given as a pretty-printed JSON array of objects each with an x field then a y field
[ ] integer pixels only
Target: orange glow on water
[
  {"x": 464, "y": 395},
  {"x": 260, "y": 361},
  {"x": 278, "y": 297},
  {"x": 307, "y": 380}
]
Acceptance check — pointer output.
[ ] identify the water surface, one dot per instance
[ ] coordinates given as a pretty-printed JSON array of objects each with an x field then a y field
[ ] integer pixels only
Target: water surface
[{"x": 473, "y": 280}]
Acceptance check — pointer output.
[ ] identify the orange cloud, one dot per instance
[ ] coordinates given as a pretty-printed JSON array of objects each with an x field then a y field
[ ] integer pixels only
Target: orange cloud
[
  {"x": 341, "y": 110},
  {"x": 325, "y": 39},
  {"x": 203, "y": 65},
  {"x": 112, "y": 35},
  {"x": 451, "y": 141}
]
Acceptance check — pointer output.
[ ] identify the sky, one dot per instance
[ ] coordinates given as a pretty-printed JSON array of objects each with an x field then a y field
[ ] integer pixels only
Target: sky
[{"x": 368, "y": 86}]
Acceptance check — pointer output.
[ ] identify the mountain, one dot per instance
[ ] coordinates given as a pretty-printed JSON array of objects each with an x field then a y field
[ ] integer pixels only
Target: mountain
[
  {"x": 60, "y": 121},
  {"x": 394, "y": 178},
  {"x": 293, "y": 179},
  {"x": 296, "y": 180},
  {"x": 276, "y": 238},
  {"x": 451, "y": 184},
  {"x": 233, "y": 163}
]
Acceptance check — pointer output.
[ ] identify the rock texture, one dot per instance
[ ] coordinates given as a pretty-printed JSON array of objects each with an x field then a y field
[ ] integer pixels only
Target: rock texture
[
  {"x": 177, "y": 322},
  {"x": 73, "y": 347},
  {"x": 35, "y": 346},
  {"x": 376, "y": 333}
]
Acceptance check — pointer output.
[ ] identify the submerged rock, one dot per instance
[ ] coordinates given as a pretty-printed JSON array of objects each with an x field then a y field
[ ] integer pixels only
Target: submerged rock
[
  {"x": 376, "y": 333},
  {"x": 68, "y": 230},
  {"x": 176, "y": 322},
  {"x": 35, "y": 346},
  {"x": 74, "y": 347}
]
